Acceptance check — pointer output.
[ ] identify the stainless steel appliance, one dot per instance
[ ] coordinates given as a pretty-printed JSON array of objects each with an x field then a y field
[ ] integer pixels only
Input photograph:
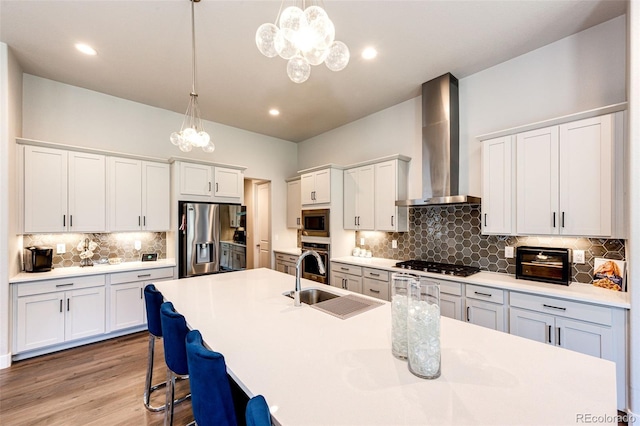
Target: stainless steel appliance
[
  {"x": 549, "y": 265},
  {"x": 199, "y": 239},
  {"x": 310, "y": 268},
  {"x": 38, "y": 259},
  {"x": 315, "y": 223},
  {"x": 438, "y": 268}
]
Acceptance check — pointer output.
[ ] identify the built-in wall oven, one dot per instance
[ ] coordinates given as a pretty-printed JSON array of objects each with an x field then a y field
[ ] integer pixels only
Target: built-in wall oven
[{"x": 310, "y": 268}]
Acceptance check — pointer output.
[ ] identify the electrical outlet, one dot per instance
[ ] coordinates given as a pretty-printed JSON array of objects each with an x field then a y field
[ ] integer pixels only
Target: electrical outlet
[
  {"x": 394, "y": 243},
  {"x": 138, "y": 244},
  {"x": 508, "y": 252},
  {"x": 361, "y": 241},
  {"x": 578, "y": 256},
  {"x": 60, "y": 248}
]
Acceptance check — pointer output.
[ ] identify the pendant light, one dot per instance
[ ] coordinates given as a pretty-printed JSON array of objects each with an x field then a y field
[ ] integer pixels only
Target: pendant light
[
  {"x": 303, "y": 36},
  {"x": 192, "y": 131}
]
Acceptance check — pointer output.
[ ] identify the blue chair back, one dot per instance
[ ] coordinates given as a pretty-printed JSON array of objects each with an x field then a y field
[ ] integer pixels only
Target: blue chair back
[
  {"x": 257, "y": 413},
  {"x": 153, "y": 299},
  {"x": 174, "y": 330},
  {"x": 211, "y": 398}
]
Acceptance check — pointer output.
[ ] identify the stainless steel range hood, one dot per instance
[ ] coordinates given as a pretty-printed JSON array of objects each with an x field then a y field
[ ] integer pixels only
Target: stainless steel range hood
[{"x": 440, "y": 145}]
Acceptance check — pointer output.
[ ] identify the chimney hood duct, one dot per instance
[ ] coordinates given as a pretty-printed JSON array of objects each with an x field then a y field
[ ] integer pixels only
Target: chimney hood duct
[{"x": 440, "y": 145}]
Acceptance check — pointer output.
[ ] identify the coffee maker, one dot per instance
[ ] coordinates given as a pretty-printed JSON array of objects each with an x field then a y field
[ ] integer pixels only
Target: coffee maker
[{"x": 240, "y": 236}]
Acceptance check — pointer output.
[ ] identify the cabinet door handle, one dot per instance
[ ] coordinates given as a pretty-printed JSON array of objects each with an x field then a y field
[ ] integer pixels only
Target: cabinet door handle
[
  {"x": 216, "y": 187},
  {"x": 482, "y": 294},
  {"x": 141, "y": 296},
  {"x": 549, "y": 334},
  {"x": 392, "y": 221},
  {"x": 138, "y": 220},
  {"x": 209, "y": 186},
  {"x": 554, "y": 219},
  {"x": 554, "y": 307},
  {"x": 70, "y": 220},
  {"x": 374, "y": 291},
  {"x": 563, "y": 219},
  {"x": 559, "y": 342},
  {"x": 468, "y": 314},
  {"x": 144, "y": 221},
  {"x": 60, "y": 305},
  {"x": 485, "y": 219},
  {"x": 68, "y": 299},
  {"x": 144, "y": 275},
  {"x": 355, "y": 221},
  {"x": 64, "y": 220}
]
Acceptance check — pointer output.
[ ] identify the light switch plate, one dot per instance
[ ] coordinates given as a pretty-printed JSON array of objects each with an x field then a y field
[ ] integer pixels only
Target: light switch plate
[
  {"x": 361, "y": 241},
  {"x": 578, "y": 256},
  {"x": 137, "y": 244},
  {"x": 508, "y": 252},
  {"x": 394, "y": 243},
  {"x": 60, "y": 248}
]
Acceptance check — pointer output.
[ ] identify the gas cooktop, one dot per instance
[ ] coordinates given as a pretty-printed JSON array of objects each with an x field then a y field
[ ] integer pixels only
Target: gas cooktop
[{"x": 438, "y": 268}]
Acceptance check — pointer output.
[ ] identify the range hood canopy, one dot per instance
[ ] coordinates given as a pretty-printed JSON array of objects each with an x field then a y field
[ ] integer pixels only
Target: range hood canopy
[{"x": 440, "y": 145}]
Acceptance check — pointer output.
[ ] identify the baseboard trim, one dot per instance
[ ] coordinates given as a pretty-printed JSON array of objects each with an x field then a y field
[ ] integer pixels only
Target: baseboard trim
[{"x": 5, "y": 361}]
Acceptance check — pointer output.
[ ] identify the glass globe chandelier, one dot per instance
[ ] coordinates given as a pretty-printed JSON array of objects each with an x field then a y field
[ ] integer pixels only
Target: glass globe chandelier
[
  {"x": 303, "y": 36},
  {"x": 192, "y": 131}
]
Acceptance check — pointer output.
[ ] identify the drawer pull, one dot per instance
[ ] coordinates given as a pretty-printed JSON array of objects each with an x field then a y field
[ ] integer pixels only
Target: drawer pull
[
  {"x": 482, "y": 294},
  {"x": 374, "y": 275},
  {"x": 374, "y": 291},
  {"x": 554, "y": 307},
  {"x": 144, "y": 275},
  {"x": 344, "y": 269},
  {"x": 64, "y": 285}
]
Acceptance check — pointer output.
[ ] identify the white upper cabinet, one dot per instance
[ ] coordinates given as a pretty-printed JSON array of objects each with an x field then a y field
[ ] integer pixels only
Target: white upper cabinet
[
  {"x": 564, "y": 179},
  {"x": 63, "y": 191},
  {"x": 391, "y": 186},
  {"x": 497, "y": 186},
  {"x": 294, "y": 206},
  {"x": 138, "y": 195},
  {"x": 316, "y": 187},
  {"x": 359, "y": 188},
  {"x": 208, "y": 183}
]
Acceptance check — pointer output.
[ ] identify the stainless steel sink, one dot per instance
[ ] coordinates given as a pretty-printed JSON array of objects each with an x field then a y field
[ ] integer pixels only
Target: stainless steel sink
[{"x": 312, "y": 296}]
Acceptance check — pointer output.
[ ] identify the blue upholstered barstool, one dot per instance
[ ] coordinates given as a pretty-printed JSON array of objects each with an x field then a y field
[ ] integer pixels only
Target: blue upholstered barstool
[
  {"x": 211, "y": 397},
  {"x": 257, "y": 413},
  {"x": 174, "y": 331},
  {"x": 153, "y": 299}
]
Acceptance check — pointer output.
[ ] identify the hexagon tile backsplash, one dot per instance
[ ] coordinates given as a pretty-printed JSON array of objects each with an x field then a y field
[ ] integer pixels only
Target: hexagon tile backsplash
[
  {"x": 452, "y": 234},
  {"x": 120, "y": 245}
]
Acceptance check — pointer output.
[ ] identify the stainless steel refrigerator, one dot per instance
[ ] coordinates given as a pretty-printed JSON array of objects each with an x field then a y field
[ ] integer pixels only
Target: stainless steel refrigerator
[{"x": 199, "y": 243}]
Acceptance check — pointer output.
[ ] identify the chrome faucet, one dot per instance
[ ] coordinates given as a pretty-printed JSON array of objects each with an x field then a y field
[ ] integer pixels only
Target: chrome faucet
[{"x": 296, "y": 293}]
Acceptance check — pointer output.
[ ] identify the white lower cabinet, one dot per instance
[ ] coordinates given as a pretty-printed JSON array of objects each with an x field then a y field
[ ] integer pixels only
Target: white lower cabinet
[
  {"x": 286, "y": 263},
  {"x": 589, "y": 329},
  {"x": 451, "y": 299},
  {"x": 375, "y": 283},
  {"x": 485, "y": 307},
  {"x": 56, "y": 311},
  {"x": 348, "y": 277},
  {"x": 126, "y": 296}
]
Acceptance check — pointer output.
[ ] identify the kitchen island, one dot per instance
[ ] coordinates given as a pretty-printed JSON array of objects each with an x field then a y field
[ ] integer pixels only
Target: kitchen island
[{"x": 316, "y": 369}]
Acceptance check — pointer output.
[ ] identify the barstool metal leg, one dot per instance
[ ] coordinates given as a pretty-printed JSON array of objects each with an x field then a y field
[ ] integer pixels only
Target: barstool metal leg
[
  {"x": 170, "y": 395},
  {"x": 148, "y": 387}
]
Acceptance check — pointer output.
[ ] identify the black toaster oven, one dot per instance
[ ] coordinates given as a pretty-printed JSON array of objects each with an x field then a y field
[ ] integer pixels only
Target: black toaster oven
[{"x": 546, "y": 264}]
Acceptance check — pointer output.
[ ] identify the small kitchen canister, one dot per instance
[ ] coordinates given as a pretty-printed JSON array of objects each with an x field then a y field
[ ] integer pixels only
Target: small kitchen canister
[
  {"x": 400, "y": 288},
  {"x": 423, "y": 329}
]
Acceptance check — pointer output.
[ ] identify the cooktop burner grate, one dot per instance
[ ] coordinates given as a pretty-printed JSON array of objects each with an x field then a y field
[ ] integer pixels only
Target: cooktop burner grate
[{"x": 438, "y": 268}]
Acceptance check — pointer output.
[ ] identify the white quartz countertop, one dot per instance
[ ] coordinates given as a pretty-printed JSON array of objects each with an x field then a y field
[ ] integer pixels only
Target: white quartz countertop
[
  {"x": 574, "y": 291},
  {"x": 316, "y": 369},
  {"x": 96, "y": 269},
  {"x": 294, "y": 251}
]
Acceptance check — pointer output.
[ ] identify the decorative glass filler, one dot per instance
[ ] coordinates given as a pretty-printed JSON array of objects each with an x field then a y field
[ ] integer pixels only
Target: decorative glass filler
[
  {"x": 86, "y": 249},
  {"x": 400, "y": 288},
  {"x": 423, "y": 329}
]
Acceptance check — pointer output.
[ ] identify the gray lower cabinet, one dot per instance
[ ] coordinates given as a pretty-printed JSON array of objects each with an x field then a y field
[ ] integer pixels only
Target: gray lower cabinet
[
  {"x": 286, "y": 263},
  {"x": 485, "y": 307},
  {"x": 348, "y": 277},
  {"x": 375, "y": 283}
]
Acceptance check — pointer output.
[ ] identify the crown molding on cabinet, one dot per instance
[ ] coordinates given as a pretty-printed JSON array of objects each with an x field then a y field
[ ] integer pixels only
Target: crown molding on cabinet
[{"x": 622, "y": 106}]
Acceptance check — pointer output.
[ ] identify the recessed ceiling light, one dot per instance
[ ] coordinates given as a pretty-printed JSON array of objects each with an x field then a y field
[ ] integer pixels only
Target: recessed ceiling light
[
  {"x": 274, "y": 112},
  {"x": 86, "y": 49},
  {"x": 369, "y": 53}
]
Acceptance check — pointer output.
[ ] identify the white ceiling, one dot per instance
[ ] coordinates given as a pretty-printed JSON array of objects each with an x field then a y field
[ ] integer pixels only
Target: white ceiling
[{"x": 144, "y": 52}]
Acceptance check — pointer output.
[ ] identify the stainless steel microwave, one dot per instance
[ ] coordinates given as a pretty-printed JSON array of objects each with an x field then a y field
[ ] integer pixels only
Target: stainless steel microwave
[
  {"x": 315, "y": 223},
  {"x": 546, "y": 264}
]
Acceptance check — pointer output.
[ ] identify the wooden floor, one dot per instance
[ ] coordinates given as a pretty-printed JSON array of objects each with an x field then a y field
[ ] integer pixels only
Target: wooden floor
[{"x": 97, "y": 384}]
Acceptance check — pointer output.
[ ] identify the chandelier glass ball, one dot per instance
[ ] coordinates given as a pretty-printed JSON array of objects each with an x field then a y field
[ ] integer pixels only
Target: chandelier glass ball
[{"x": 304, "y": 38}]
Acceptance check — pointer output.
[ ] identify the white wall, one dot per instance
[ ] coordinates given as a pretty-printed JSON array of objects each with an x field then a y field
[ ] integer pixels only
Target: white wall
[
  {"x": 61, "y": 113},
  {"x": 580, "y": 72},
  {"x": 10, "y": 125}
]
